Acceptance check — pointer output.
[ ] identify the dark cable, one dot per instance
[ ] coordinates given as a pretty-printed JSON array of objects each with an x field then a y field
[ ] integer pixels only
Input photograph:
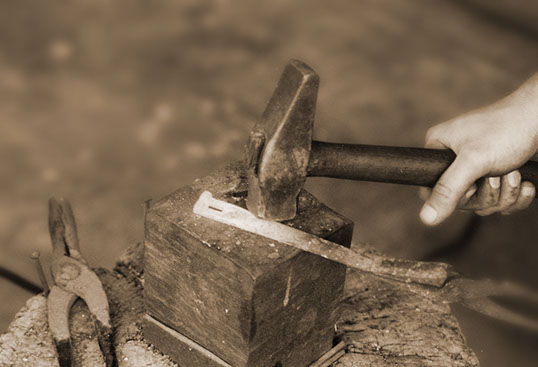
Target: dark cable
[{"x": 20, "y": 281}]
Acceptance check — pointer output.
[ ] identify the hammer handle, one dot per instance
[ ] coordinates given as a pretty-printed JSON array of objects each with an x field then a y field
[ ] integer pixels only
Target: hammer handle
[{"x": 400, "y": 165}]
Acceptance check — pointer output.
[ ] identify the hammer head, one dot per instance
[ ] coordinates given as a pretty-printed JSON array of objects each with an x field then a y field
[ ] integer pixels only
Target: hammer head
[{"x": 280, "y": 143}]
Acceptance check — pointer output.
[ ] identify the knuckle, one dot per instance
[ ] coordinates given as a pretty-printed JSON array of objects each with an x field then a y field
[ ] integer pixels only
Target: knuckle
[
  {"x": 487, "y": 196},
  {"x": 524, "y": 199},
  {"x": 436, "y": 137},
  {"x": 507, "y": 202},
  {"x": 443, "y": 199},
  {"x": 510, "y": 197},
  {"x": 442, "y": 192},
  {"x": 492, "y": 198}
]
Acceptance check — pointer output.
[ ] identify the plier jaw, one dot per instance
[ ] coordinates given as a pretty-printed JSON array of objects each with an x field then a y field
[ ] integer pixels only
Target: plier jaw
[
  {"x": 476, "y": 295},
  {"x": 63, "y": 230},
  {"x": 73, "y": 279}
]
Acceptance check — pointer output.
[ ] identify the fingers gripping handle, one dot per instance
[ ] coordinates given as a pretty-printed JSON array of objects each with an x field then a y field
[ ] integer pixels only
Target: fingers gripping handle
[{"x": 400, "y": 165}]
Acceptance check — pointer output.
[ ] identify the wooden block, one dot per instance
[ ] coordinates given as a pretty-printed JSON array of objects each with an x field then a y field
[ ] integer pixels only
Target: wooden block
[{"x": 248, "y": 300}]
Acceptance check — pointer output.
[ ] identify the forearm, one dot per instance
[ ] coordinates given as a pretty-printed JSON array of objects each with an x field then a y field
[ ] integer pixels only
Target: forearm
[
  {"x": 533, "y": 92},
  {"x": 528, "y": 94}
]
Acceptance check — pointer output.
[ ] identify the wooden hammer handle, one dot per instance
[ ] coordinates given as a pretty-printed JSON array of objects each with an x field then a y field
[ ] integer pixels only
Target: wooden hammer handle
[{"x": 400, "y": 165}]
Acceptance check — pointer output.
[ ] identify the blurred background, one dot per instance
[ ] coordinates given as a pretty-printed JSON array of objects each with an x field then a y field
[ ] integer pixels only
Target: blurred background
[{"x": 109, "y": 103}]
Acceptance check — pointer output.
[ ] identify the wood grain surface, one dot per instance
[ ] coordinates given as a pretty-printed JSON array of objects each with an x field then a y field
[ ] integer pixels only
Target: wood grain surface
[{"x": 250, "y": 300}]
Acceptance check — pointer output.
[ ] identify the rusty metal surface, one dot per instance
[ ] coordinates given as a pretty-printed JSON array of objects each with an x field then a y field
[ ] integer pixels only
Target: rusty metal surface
[
  {"x": 429, "y": 273},
  {"x": 281, "y": 141},
  {"x": 436, "y": 281}
]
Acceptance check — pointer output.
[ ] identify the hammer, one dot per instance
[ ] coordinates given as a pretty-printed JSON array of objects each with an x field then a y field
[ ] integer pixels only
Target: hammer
[{"x": 281, "y": 153}]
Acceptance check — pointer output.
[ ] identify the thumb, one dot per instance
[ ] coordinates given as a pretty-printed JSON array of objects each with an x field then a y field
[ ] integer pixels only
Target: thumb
[{"x": 447, "y": 192}]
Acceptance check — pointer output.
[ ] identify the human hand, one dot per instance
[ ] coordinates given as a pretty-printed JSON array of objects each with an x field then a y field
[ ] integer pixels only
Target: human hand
[{"x": 491, "y": 142}]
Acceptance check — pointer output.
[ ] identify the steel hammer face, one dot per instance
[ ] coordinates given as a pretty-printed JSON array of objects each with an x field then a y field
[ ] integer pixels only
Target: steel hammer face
[{"x": 279, "y": 148}]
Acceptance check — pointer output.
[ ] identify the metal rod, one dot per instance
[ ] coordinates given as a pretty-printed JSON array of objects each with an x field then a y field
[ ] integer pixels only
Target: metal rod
[{"x": 35, "y": 256}]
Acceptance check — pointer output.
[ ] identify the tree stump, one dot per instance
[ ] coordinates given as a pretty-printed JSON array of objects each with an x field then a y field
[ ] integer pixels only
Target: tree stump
[{"x": 383, "y": 323}]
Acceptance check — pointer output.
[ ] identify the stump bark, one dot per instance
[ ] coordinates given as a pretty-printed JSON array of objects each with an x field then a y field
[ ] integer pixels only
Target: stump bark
[{"x": 385, "y": 324}]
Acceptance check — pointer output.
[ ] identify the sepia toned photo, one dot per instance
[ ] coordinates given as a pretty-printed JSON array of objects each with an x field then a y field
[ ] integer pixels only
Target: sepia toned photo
[{"x": 221, "y": 183}]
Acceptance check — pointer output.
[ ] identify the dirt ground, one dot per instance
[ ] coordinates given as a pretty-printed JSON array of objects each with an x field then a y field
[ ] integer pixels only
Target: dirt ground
[{"x": 110, "y": 103}]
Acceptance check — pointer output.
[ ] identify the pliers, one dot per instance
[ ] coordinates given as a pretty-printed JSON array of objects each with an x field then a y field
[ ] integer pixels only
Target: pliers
[
  {"x": 476, "y": 295},
  {"x": 73, "y": 279}
]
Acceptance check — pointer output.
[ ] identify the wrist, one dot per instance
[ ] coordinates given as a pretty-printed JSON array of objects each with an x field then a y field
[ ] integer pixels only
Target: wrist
[{"x": 529, "y": 94}]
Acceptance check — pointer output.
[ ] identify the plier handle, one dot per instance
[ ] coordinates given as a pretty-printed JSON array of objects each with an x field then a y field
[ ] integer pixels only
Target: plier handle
[
  {"x": 476, "y": 295},
  {"x": 73, "y": 279}
]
